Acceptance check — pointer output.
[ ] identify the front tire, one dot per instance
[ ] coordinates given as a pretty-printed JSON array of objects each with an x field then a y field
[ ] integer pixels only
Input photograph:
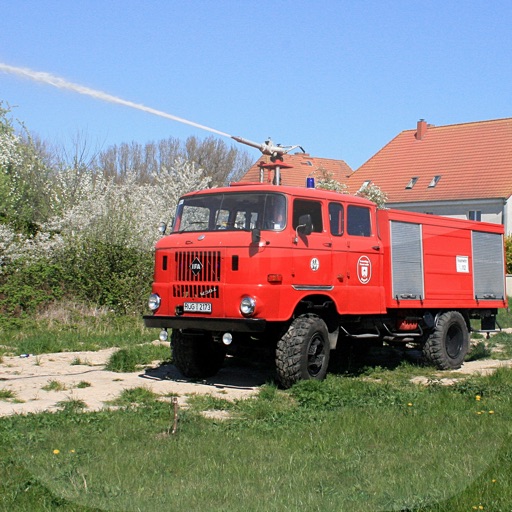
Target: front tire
[
  {"x": 448, "y": 345},
  {"x": 303, "y": 352},
  {"x": 196, "y": 355}
]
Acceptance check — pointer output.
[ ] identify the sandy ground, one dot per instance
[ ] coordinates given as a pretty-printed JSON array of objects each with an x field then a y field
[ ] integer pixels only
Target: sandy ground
[{"x": 27, "y": 378}]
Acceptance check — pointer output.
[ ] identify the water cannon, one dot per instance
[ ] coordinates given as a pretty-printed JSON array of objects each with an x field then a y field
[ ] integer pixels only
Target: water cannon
[{"x": 275, "y": 152}]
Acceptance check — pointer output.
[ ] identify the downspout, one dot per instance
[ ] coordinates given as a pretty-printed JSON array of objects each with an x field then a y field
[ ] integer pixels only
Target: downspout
[{"x": 504, "y": 217}]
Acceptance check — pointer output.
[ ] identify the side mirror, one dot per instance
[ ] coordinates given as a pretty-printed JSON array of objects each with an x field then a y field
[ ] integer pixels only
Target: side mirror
[
  {"x": 305, "y": 224},
  {"x": 255, "y": 235},
  {"x": 162, "y": 228}
]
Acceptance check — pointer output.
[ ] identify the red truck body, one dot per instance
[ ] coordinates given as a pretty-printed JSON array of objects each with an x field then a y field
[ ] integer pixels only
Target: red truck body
[{"x": 334, "y": 267}]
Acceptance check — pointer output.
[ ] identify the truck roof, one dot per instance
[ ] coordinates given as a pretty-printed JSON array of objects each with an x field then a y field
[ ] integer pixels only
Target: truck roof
[{"x": 313, "y": 193}]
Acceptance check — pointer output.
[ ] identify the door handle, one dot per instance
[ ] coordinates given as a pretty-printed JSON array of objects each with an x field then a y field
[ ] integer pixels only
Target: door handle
[
  {"x": 327, "y": 244},
  {"x": 376, "y": 247}
]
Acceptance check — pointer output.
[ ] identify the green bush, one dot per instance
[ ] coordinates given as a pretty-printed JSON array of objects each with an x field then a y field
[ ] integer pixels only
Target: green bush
[
  {"x": 113, "y": 276},
  {"x": 108, "y": 275},
  {"x": 26, "y": 287},
  {"x": 508, "y": 253}
]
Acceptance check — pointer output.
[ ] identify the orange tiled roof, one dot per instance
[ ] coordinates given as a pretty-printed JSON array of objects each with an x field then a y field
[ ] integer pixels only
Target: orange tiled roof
[
  {"x": 303, "y": 165},
  {"x": 473, "y": 160}
]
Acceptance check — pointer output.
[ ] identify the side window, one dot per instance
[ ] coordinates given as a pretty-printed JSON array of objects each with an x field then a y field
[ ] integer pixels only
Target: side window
[
  {"x": 336, "y": 218},
  {"x": 358, "y": 221},
  {"x": 305, "y": 207},
  {"x": 275, "y": 212}
]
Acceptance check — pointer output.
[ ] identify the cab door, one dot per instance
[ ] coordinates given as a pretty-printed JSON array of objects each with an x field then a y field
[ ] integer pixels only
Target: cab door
[
  {"x": 363, "y": 261},
  {"x": 311, "y": 265},
  {"x": 339, "y": 254}
]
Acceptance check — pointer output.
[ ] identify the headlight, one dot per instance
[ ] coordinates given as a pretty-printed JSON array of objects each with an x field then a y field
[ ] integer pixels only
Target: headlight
[
  {"x": 154, "y": 301},
  {"x": 247, "y": 306}
]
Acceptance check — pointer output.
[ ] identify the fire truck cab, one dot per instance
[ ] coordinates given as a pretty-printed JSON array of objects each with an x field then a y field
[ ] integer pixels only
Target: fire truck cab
[{"x": 305, "y": 269}]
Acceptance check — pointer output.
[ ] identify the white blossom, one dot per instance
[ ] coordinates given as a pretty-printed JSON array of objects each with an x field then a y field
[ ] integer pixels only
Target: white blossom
[
  {"x": 125, "y": 213},
  {"x": 374, "y": 194}
]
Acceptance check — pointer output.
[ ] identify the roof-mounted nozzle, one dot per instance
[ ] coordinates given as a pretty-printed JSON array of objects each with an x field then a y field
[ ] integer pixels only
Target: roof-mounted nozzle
[{"x": 275, "y": 152}]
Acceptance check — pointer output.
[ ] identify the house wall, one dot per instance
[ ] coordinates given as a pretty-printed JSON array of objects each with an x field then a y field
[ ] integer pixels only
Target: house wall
[
  {"x": 508, "y": 216},
  {"x": 494, "y": 211}
]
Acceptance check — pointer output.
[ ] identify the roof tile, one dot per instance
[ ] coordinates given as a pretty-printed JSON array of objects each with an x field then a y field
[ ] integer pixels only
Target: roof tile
[
  {"x": 474, "y": 161},
  {"x": 302, "y": 166}
]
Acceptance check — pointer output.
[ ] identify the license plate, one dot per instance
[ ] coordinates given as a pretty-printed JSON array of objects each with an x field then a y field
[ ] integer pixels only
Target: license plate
[{"x": 197, "y": 307}]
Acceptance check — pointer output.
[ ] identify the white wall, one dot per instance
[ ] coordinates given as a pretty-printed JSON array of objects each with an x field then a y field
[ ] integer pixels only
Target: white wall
[{"x": 492, "y": 210}]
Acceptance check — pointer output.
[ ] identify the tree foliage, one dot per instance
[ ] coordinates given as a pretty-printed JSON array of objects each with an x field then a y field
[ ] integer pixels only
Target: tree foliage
[
  {"x": 373, "y": 193},
  {"x": 508, "y": 253},
  {"x": 326, "y": 181},
  {"x": 85, "y": 224},
  {"x": 220, "y": 162},
  {"x": 24, "y": 177}
]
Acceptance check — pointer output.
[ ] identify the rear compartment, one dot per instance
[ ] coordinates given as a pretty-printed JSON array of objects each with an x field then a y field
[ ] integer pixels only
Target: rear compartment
[{"x": 437, "y": 263}]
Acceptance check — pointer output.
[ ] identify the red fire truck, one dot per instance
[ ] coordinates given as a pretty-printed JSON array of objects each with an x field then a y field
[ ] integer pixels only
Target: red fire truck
[{"x": 302, "y": 268}]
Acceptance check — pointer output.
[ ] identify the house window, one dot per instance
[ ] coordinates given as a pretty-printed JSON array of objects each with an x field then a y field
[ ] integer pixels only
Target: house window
[
  {"x": 412, "y": 182},
  {"x": 475, "y": 215},
  {"x": 434, "y": 181}
]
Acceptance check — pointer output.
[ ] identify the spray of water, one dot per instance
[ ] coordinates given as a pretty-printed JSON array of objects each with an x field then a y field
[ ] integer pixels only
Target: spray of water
[{"x": 60, "y": 83}]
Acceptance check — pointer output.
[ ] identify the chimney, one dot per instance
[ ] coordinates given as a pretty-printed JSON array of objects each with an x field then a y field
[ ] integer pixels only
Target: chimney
[{"x": 421, "y": 129}]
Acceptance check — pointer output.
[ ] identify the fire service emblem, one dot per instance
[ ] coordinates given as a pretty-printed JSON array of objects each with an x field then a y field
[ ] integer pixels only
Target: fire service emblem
[{"x": 364, "y": 269}]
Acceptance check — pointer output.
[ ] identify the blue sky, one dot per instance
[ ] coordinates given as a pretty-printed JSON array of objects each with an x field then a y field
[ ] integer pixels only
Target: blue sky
[{"x": 340, "y": 78}]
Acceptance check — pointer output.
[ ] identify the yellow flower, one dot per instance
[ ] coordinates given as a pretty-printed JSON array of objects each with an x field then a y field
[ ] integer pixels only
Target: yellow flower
[
  {"x": 409, "y": 404},
  {"x": 71, "y": 451},
  {"x": 491, "y": 412},
  {"x": 478, "y": 398},
  {"x": 56, "y": 452},
  {"x": 494, "y": 480},
  {"x": 479, "y": 412}
]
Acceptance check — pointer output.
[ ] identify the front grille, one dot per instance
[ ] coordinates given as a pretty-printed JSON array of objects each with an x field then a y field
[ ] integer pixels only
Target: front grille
[
  {"x": 197, "y": 267},
  {"x": 196, "y": 291}
]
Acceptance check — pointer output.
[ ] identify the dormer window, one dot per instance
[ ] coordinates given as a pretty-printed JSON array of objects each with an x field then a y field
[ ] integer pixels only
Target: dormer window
[
  {"x": 412, "y": 182},
  {"x": 364, "y": 185},
  {"x": 434, "y": 181}
]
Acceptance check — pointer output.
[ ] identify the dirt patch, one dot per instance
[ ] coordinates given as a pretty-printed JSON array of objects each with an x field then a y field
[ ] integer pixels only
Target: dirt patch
[
  {"x": 39, "y": 383},
  {"x": 481, "y": 367}
]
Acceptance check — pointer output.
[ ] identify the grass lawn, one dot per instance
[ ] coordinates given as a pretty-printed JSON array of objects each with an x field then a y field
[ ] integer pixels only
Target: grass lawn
[{"x": 366, "y": 441}]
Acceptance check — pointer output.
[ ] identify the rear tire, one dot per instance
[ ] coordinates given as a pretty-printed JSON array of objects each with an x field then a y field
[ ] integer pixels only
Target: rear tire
[
  {"x": 448, "y": 345},
  {"x": 303, "y": 352},
  {"x": 196, "y": 355}
]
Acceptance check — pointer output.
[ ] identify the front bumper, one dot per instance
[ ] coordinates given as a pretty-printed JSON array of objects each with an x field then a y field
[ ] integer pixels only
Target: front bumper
[{"x": 206, "y": 324}]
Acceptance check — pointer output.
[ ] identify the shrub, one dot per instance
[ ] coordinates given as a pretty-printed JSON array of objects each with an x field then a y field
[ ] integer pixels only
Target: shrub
[
  {"x": 26, "y": 287},
  {"x": 108, "y": 275},
  {"x": 508, "y": 253}
]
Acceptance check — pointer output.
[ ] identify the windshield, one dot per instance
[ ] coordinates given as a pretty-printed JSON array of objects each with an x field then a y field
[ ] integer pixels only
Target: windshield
[{"x": 232, "y": 211}]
